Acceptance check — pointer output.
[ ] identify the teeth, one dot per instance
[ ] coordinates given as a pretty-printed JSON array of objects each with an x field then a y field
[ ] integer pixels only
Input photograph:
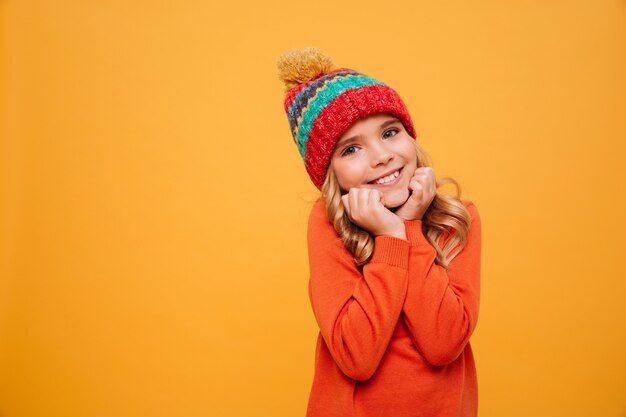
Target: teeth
[{"x": 388, "y": 178}]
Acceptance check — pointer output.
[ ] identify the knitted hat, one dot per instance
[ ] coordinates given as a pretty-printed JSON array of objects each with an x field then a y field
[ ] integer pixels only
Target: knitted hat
[{"x": 323, "y": 102}]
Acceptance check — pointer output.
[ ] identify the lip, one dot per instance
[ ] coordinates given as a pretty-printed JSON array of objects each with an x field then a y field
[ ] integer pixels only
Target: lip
[{"x": 401, "y": 169}]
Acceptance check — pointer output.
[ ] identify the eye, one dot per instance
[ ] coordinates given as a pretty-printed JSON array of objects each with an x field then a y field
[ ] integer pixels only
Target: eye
[
  {"x": 349, "y": 151},
  {"x": 394, "y": 131}
]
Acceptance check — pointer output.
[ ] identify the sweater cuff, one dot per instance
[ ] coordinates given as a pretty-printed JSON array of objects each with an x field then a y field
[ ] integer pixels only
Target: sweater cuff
[
  {"x": 414, "y": 232},
  {"x": 391, "y": 250}
]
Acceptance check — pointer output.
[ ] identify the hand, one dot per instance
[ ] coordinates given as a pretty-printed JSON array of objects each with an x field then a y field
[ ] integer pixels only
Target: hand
[
  {"x": 365, "y": 208},
  {"x": 423, "y": 186}
]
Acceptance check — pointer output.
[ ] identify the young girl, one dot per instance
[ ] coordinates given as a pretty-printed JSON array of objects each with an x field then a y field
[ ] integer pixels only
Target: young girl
[{"x": 394, "y": 266}]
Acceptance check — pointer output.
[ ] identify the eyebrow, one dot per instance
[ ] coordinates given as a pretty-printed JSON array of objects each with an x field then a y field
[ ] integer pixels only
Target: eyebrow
[{"x": 382, "y": 126}]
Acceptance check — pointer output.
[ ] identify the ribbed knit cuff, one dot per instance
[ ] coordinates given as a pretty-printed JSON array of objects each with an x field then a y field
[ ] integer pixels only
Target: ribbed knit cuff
[
  {"x": 414, "y": 232},
  {"x": 391, "y": 250}
]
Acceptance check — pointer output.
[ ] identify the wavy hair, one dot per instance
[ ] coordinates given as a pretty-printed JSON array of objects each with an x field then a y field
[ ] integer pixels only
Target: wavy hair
[{"x": 446, "y": 215}]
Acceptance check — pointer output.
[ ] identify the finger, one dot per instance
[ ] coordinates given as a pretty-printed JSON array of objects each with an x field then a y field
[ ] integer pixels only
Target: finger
[
  {"x": 375, "y": 198},
  {"x": 433, "y": 183},
  {"x": 429, "y": 171},
  {"x": 418, "y": 192},
  {"x": 433, "y": 180},
  {"x": 346, "y": 203},
  {"x": 430, "y": 182},
  {"x": 363, "y": 198},
  {"x": 354, "y": 204}
]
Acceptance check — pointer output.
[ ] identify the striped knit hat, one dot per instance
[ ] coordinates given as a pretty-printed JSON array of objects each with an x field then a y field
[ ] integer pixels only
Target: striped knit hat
[{"x": 323, "y": 102}]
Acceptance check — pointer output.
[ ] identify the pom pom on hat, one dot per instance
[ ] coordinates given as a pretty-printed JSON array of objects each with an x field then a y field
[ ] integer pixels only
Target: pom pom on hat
[
  {"x": 298, "y": 66},
  {"x": 322, "y": 102}
]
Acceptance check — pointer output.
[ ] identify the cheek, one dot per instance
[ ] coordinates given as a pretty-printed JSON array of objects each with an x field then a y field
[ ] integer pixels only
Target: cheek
[
  {"x": 410, "y": 170},
  {"x": 348, "y": 175},
  {"x": 407, "y": 156},
  {"x": 410, "y": 150}
]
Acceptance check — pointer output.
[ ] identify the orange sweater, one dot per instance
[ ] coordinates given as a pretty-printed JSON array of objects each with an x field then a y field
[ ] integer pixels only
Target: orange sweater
[{"x": 394, "y": 337}]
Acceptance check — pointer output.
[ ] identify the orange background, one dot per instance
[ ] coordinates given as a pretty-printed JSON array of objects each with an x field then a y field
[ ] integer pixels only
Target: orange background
[{"x": 154, "y": 207}]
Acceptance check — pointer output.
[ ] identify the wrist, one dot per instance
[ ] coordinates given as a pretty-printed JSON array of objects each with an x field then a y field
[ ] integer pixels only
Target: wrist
[
  {"x": 409, "y": 217},
  {"x": 398, "y": 232}
]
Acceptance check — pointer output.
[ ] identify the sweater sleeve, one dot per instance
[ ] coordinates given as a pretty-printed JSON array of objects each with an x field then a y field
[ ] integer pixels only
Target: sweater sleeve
[
  {"x": 356, "y": 312},
  {"x": 441, "y": 308}
]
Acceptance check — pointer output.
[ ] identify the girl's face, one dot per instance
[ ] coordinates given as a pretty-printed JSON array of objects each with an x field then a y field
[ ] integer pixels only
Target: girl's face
[{"x": 376, "y": 152}]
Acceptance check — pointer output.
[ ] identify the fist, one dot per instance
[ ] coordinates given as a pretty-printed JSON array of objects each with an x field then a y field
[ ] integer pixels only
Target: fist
[
  {"x": 365, "y": 208},
  {"x": 423, "y": 188}
]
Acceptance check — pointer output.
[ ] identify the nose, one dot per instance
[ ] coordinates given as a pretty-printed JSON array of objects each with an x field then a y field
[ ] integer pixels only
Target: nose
[{"x": 381, "y": 155}]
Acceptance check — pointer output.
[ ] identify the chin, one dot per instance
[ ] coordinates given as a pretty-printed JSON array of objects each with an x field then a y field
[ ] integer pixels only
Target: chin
[{"x": 397, "y": 199}]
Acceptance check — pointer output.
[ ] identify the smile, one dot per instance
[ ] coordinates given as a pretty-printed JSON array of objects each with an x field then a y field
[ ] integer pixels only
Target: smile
[{"x": 387, "y": 179}]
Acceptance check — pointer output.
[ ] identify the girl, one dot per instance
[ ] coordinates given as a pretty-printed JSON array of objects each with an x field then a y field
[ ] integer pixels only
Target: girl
[{"x": 394, "y": 266}]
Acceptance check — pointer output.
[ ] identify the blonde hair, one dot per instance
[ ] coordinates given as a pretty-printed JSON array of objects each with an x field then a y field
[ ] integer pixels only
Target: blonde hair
[{"x": 444, "y": 213}]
